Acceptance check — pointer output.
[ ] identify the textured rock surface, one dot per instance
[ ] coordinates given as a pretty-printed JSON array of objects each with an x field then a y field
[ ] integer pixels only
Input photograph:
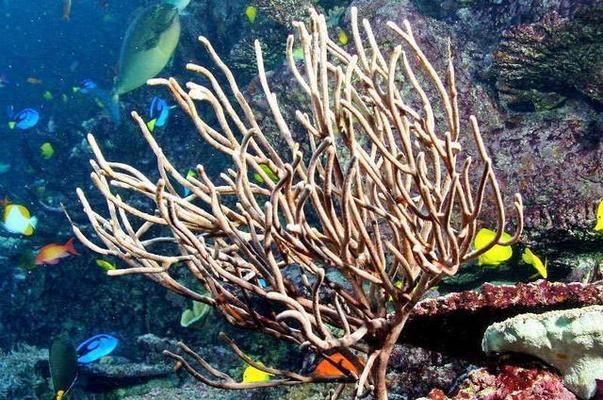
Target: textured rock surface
[
  {"x": 464, "y": 316},
  {"x": 553, "y": 158},
  {"x": 508, "y": 383},
  {"x": 569, "y": 340},
  {"x": 414, "y": 371}
]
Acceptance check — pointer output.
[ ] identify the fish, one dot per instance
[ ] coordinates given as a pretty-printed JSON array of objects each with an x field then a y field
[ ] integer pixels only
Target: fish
[
  {"x": 251, "y": 12},
  {"x": 599, "y": 224},
  {"x": 189, "y": 174},
  {"x": 102, "y": 97},
  {"x": 179, "y": 4},
  {"x": 87, "y": 86},
  {"x": 46, "y": 150},
  {"x": 298, "y": 53},
  {"x": 17, "y": 219},
  {"x": 530, "y": 258},
  {"x": 47, "y": 95},
  {"x": 24, "y": 119},
  {"x": 27, "y": 260},
  {"x": 106, "y": 265},
  {"x": 497, "y": 254},
  {"x": 326, "y": 367},
  {"x": 4, "y": 168},
  {"x": 268, "y": 171},
  {"x": 51, "y": 127},
  {"x": 195, "y": 314},
  {"x": 342, "y": 37},
  {"x": 95, "y": 348},
  {"x": 255, "y": 375},
  {"x": 148, "y": 45},
  {"x": 159, "y": 111},
  {"x": 52, "y": 253},
  {"x": 62, "y": 360},
  {"x": 3, "y": 81},
  {"x": 67, "y": 10},
  {"x": 5, "y": 201},
  {"x": 34, "y": 81}
]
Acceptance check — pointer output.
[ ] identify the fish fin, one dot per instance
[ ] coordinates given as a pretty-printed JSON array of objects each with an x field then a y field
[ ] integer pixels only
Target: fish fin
[
  {"x": 69, "y": 248},
  {"x": 29, "y": 230},
  {"x": 151, "y": 124},
  {"x": 33, "y": 221},
  {"x": 11, "y": 125}
]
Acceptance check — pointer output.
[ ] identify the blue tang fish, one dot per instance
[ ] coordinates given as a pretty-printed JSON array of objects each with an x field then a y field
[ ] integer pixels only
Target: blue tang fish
[
  {"x": 95, "y": 348},
  {"x": 24, "y": 119},
  {"x": 103, "y": 98},
  {"x": 87, "y": 86},
  {"x": 159, "y": 111}
]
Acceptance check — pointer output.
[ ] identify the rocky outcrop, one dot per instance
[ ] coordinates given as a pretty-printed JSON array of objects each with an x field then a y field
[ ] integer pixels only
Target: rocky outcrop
[{"x": 569, "y": 340}]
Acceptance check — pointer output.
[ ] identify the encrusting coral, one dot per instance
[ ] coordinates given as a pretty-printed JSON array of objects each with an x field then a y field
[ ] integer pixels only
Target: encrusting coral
[{"x": 330, "y": 248}]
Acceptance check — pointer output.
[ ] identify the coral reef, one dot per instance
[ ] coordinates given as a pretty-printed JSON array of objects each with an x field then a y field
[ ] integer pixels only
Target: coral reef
[
  {"x": 555, "y": 54},
  {"x": 569, "y": 340},
  {"x": 509, "y": 382},
  {"x": 382, "y": 201},
  {"x": 19, "y": 375}
]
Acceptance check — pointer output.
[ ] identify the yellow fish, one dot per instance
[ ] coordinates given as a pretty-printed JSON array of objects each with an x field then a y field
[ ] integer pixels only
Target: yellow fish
[
  {"x": 47, "y": 95},
  {"x": 298, "y": 53},
  {"x": 17, "y": 219},
  {"x": 268, "y": 171},
  {"x": 46, "y": 150},
  {"x": 106, "y": 265},
  {"x": 599, "y": 225},
  {"x": 530, "y": 258},
  {"x": 497, "y": 254},
  {"x": 251, "y": 13},
  {"x": 342, "y": 37},
  {"x": 254, "y": 375}
]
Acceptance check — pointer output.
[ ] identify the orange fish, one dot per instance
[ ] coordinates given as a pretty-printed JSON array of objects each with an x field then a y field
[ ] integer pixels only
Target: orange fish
[
  {"x": 34, "y": 81},
  {"x": 53, "y": 252},
  {"x": 326, "y": 367}
]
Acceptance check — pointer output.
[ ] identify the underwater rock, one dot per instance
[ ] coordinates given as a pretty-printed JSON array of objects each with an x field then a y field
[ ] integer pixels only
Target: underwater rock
[
  {"x": 569, "y": 340},
  {"x": 509, "y": 382},
  {"x": 464, "y": 316},
  {"x": 19, "y": 373},
  {"x": 556, "y": 54},
  {"x": 414, "y": 371},
  {"x": 112, "y": 372}
]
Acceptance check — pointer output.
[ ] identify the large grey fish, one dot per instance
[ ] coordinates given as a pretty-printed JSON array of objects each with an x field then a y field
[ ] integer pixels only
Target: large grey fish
[{"x": 150, "y": 41}]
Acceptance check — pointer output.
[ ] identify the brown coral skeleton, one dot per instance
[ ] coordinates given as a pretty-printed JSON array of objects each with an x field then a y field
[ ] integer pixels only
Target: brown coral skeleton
[{"x": 378, "y": 192}]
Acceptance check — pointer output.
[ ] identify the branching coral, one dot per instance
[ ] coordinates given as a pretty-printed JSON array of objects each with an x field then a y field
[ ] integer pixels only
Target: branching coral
[{"x": 340, "y": 243}]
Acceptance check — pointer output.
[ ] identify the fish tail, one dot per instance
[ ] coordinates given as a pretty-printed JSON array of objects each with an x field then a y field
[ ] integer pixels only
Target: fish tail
[
  {"x": 114, "y": 109},
  {"x": 69, "y": 248},
  {"x": 33, "y": 221}
]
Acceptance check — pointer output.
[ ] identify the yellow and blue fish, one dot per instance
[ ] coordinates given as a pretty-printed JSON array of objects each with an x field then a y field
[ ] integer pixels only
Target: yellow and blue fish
[
  {"x": 159, "y": 112},
  {"x": 24, "y": 119}
]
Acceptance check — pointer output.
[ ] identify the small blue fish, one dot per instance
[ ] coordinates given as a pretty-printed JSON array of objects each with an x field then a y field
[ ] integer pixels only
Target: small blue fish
[
  {"x": 95, "y": 348},
  {"x": 24, "y": 119},
  {"x": 159, "y": 111},
  {"x": 87, "y": 86},
  {"x": 102, "y": 97}
]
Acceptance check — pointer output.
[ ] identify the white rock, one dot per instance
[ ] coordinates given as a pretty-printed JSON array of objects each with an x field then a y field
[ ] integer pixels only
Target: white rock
[{"x": 569, "y": 340}]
